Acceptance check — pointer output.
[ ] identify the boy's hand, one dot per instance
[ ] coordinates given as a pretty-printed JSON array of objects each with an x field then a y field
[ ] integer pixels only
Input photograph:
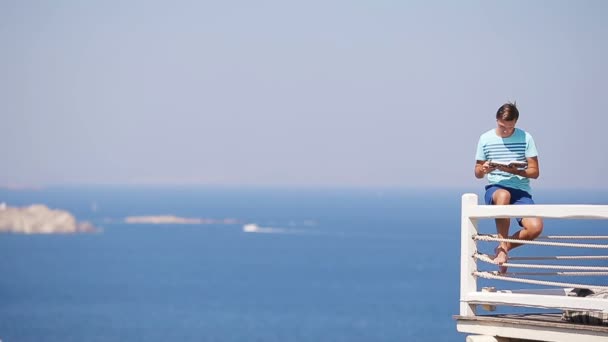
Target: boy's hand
[{"x": 487, "y": 168}]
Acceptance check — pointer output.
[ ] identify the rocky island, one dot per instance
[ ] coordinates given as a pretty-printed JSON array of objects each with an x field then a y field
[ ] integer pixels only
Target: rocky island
[{"x": 39, "y": 219}]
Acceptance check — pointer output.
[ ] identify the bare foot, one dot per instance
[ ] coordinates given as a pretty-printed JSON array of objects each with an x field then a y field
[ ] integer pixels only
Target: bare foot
[{"x": 500, "y": 258}]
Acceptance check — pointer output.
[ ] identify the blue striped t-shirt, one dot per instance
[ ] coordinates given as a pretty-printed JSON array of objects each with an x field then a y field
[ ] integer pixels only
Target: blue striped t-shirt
[{"x": 519, "y": 146}]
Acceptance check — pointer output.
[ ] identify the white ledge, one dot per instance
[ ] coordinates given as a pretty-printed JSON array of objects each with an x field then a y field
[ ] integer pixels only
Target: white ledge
[
  {"x": 537, "y": 301},
  {"x": 561, "y": 211}
]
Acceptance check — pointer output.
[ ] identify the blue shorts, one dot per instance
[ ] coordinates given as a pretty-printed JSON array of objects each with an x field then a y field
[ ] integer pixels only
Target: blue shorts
[{"x": 517, "y": 196}]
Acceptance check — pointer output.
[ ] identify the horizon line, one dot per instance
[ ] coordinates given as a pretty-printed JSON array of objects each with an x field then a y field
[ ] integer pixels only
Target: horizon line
[{"x": 384, "y": 187}]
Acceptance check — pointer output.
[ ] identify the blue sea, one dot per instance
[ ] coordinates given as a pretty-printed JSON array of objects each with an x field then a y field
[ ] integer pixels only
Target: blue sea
[{"x": 337, "y": 265}]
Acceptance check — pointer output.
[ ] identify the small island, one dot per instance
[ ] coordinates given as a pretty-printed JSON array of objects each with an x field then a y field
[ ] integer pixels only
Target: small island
[{"x": 39, "y": 219}]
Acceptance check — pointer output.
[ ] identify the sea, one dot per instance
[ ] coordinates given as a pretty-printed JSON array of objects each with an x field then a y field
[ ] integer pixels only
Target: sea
[{"x": 325, "y": 264}]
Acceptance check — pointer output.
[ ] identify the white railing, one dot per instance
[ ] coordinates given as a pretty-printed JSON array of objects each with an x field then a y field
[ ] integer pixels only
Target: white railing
[{"x": 471, "y": 296}]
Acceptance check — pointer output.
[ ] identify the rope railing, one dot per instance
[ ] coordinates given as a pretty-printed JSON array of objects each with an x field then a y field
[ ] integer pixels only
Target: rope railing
[
  {"x": 562, "y": 257},
  {"x": 542, "y": 270},
  {"x": 488, "y": 259},
  {"x": 570, "y": 237},
  {"x": 497, "y": 276},
  {"x": 566, "y": 274},
  {"x": 575, "y": 270},
  {"x": 480, "y": 285},
  {"x": 487, "y": 237},
  {"x": 572, "y": 270}
]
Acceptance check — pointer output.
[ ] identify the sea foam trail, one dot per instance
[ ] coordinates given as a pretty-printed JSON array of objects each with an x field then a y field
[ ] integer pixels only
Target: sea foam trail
[{"x": 254, "y": 228}]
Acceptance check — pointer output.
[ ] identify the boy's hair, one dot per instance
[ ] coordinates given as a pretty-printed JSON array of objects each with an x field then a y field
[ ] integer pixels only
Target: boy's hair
[{"x": 507, "y": 112}]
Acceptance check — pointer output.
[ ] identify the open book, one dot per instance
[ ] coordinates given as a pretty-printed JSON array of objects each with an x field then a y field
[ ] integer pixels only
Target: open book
[{"x": 513, "y": 163}]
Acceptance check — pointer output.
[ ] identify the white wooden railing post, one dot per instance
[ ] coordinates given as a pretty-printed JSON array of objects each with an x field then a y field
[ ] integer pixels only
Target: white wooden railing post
[{"x": 468, "y": 282}]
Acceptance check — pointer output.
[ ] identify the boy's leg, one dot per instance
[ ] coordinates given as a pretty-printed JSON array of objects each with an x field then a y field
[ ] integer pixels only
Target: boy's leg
[
  {"x": 500, "y": 196},
  {"x": 532, "y": 227}
]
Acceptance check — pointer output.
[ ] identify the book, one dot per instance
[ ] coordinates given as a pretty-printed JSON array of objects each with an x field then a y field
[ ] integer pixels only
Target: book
[{"x": 512, "y": 163}]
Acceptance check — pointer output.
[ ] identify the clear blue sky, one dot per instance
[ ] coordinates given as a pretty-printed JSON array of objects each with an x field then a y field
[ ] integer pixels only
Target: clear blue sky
[{"x": 308, "y": 93}]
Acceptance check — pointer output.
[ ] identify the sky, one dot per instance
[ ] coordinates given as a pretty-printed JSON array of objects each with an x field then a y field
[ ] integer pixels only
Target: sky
[{"x": 297, "y": 93}]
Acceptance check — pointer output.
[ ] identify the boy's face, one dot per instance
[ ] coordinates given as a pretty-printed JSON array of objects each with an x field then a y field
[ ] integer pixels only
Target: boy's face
[{"x": 505, "y": 128}]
